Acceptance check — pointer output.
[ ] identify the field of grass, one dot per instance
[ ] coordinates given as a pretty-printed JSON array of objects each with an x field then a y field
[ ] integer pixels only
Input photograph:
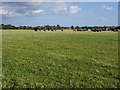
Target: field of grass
[{"x": 60, "y": 59}]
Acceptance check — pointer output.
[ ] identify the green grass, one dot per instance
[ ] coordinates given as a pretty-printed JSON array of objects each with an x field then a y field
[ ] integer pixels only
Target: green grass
[{"x": 60, "y": 59}]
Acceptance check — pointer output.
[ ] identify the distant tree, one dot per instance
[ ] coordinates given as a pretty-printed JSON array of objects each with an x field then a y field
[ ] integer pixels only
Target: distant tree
[
  {"x": 58, "y": 27},
  {"x": 65, "y": 27},
  {"x": 48, "y": 27},
  {"x": 2, "y": 24},
  {"x": 24, "y": 27},
  {"x": 9, "y": 26},
  {"x": 72, "y": 27},
  {"x": 77, "y": 27},
  {"x": 85, "y": 27}
]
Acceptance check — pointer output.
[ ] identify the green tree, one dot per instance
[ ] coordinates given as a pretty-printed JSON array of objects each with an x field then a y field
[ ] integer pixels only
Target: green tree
[
  {"x": 58, "y": 27},
  {"x": 77, "y": 27},
  {"x": 72, "y": 27}
]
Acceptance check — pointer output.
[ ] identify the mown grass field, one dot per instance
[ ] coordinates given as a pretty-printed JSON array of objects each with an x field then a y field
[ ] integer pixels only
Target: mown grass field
[{"x": 60, "y": 59}]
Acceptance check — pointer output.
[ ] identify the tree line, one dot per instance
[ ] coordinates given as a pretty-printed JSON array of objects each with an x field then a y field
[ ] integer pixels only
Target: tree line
[
  {"x": 57, "y": 27},
  {"x": 9, "y": 26}
]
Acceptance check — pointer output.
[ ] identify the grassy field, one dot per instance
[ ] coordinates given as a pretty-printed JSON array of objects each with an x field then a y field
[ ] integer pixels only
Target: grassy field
[{"x": 60, "y": 59}]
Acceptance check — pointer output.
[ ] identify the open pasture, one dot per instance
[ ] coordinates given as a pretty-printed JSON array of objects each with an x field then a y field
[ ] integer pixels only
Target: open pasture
[{"x": 59, "y": 59}]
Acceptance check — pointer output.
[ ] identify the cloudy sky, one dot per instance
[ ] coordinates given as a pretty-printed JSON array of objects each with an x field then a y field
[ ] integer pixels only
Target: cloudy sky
[{"x": 63, "y": 13}]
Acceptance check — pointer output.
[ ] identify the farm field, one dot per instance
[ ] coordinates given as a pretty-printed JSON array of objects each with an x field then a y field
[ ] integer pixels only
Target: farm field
[{"x": 59, "y": 59}]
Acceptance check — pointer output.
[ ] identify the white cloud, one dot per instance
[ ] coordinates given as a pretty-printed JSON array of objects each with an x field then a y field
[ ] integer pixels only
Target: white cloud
[
  {"x": 8, "y": 11},
  {"x": 14, "y": 14},
  {"x": 28, "y": 9},
  {"x": 60, "y": 7},
  {"x": 107, "y": 7},
  {"x": 65, "y": 8},
  {"x": 38, "y": 11},
  {"x": 3, "y": 11},
  {"x": 74, "y": 9}
]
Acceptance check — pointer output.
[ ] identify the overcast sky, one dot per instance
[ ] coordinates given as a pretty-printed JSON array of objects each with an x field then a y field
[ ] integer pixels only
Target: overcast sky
[{"x": 63, "y": 13}]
